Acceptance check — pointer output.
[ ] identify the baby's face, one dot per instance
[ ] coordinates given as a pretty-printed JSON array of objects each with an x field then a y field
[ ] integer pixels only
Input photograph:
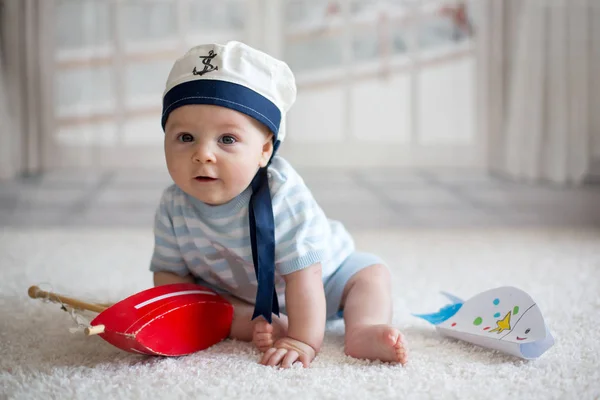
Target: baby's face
[{"x": 213, "y": 152}]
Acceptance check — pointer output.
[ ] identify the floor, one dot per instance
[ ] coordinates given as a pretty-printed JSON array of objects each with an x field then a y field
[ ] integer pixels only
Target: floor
[
  {"x": 362, "y": 199},
  {"x": 45, "y": 356}
]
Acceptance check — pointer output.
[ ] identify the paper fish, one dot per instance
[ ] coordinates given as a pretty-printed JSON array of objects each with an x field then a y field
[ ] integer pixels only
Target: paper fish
[{"x": 504, "y": 319}]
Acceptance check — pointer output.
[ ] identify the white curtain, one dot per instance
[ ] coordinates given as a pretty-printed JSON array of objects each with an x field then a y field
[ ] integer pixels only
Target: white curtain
[
  {"x": 25, "y": 109},
  {"x": 536, "y": 80},
  {"x": 7, "y": 169},
  {"x": 7, "y": 146}
]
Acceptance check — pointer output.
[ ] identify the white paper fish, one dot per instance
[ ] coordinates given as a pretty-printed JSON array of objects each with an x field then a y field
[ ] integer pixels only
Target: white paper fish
[{"x": 505, "y": 319}]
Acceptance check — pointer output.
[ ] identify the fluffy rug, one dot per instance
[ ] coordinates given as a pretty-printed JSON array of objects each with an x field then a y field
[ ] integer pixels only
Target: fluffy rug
[{"x": 41, "y": 357}]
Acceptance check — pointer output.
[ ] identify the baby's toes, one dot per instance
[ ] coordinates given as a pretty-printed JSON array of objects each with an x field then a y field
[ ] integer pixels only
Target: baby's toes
[
  {"x": 401, "y": 350},
  {"x": 403, "y": 358}
]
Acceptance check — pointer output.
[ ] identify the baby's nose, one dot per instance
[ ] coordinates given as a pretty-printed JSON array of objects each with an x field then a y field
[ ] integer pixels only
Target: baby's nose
[{"x": 204, "y": 154}]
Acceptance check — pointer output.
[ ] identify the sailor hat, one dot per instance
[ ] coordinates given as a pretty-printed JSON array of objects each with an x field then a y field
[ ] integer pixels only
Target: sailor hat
[{"x": 236, "y": 76}]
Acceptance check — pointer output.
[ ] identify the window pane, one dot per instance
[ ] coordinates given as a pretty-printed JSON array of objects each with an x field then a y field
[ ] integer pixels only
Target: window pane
[
  {"x": 446, "y": 91},
  {"x": 370, "y": 8},
  {"x": 366, "y": 45},
  {"x": 445, "y": 27},
  {"x": 148, "y": 21},
  {"x": 101, "y": 133},
  {"x": 84, "y": 90},
  {"x": 399, "y": 39},
  {"x": 145, "y": 82},
  {"x": 82, "y": 24},
  {"x": 376, "y": 102},
  {"x": 143, "y": 131},
  {"x": 309, "y": 12},
  {"x": 314, "y": 53},
  {"x": 222, "y": 15}
]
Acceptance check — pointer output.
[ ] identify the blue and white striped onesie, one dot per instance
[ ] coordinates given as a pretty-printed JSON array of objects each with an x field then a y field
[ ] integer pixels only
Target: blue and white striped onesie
[{"x": 213, "y": 242}]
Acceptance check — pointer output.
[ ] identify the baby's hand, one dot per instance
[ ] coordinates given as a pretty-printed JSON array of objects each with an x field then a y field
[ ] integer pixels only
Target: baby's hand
[{"x": 286, "y": 351}]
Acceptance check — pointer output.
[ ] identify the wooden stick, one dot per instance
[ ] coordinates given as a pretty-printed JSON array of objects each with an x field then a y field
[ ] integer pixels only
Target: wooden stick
[
  {"x": 37, "y": 293},
  {"x": 105, "y": 305},
  {"x": 94, "y": 330}
]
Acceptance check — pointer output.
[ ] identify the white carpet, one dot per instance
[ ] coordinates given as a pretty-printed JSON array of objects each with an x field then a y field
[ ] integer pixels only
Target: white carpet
[{"x": 41, "y": 359}]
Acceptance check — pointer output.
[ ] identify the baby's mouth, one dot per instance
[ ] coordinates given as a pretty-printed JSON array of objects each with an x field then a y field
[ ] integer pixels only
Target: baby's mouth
[{"x": 205, "y": 179}]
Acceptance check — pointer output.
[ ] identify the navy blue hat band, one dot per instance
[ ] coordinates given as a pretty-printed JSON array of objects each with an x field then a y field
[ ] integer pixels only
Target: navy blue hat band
[{"x": 224, "y": 94}]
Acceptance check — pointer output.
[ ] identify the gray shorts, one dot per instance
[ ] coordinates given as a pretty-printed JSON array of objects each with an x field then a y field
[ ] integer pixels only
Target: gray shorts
[{"x": 334, "y": 284}]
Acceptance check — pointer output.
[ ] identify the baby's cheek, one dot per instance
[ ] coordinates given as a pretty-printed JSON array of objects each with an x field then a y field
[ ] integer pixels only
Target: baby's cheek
[
  {"x": 173, "y": 161},
  {"x": 243, "y": 175},
  {"x": 243, "y": 180},
  {"x": 175, "y": 168}
]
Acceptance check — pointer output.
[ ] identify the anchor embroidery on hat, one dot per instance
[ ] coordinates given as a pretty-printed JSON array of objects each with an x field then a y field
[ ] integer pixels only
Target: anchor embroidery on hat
[{"x": 208, "y": 67}]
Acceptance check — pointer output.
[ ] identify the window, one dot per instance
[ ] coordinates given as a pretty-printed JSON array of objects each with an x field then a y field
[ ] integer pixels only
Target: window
[
  {"x": 372, "y": 35},
  {"x": 356, "y": 61},
  {"x": 401, "y": 71},
  {"x": 113, "y": 57}
]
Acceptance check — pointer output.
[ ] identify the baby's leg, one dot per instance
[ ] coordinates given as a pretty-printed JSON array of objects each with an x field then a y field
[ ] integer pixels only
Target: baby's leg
[
  {"x": 367, "y": 308},
  {"x": 258, "y": 331}
]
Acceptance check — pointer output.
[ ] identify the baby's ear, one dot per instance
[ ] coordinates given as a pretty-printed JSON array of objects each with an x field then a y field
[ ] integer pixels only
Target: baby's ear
[{"x": 267, "y": 151}]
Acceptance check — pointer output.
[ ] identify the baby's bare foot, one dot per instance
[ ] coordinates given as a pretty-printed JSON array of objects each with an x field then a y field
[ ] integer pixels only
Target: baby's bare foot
[
  {"x": 266, "y": 334},
  {"x": 376, "y": 342}
]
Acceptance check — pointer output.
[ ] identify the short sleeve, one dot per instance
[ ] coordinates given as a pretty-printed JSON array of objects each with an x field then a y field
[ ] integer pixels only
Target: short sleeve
[
  {"x": 167, "y": 255},
  {"x": 302, "y": 230}
]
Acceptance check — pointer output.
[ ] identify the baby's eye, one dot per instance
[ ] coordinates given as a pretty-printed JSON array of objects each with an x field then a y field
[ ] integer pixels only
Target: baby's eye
[
  {"x": 185, "y": 137},
  {"x": 227, "y": 139},
  {"x": 527, "y": 330}
]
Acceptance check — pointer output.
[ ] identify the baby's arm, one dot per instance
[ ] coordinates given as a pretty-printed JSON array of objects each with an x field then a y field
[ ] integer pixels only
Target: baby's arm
[
  {"x": 167, "y": 262},
  {"x": 305, "y": 304},
  {"x": 166, "y": 278}
]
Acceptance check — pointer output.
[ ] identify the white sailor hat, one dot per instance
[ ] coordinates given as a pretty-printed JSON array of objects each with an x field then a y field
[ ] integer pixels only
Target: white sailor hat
[{"x": 236, "y": 76}]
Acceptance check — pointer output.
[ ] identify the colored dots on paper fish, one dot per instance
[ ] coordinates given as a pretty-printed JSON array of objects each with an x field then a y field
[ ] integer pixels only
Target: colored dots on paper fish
[
  {"x": 497, "y": 315},
  {"x": 496, "y": 302},
  {"x": 478, "y": 321},
  {"x": 516, "y": 310}
]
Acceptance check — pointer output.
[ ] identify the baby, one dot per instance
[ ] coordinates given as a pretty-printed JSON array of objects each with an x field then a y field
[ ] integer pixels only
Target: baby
[{"x": 240, "y": 220}]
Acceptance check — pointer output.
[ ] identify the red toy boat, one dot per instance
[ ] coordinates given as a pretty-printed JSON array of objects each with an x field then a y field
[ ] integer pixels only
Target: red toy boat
[{"x": 169, "y": 320}]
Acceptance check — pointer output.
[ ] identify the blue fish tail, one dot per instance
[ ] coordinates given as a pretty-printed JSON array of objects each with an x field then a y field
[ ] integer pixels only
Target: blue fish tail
[
  {"x": 444, "y": 314},
  {"x": 453, "y": 298}
]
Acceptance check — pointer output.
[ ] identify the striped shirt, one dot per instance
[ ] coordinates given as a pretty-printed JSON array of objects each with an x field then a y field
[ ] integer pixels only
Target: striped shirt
[{"x": 213, "y": 242}]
